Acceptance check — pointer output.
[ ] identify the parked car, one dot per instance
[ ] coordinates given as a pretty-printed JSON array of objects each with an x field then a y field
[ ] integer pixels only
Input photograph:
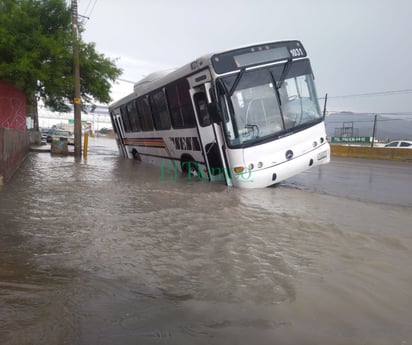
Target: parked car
[
  {"x": 49, "y": 134},
  {"x": 400, "y": 143},
  {"x": 44, "y": 133},
  {"x": 60, "y": 134}
]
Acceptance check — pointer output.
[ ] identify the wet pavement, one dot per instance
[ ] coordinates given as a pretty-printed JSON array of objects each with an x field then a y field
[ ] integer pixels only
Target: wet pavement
[
  {"x": 102, "y": 251},
  {"x": 370, "y": 180}
]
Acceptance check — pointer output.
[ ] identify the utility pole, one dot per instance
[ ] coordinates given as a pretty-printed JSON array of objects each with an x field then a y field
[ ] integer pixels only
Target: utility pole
[
  {"x": 374, "y": 130},
  {"x": 76, "y": 77}
]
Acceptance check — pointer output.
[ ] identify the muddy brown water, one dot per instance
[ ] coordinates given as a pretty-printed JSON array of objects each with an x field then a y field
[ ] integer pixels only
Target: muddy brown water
[{"x": 103, "y": 252}]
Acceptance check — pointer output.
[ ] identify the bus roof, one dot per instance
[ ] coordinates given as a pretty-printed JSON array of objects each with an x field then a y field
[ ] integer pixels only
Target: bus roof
[{"x": 158, "y": 79}]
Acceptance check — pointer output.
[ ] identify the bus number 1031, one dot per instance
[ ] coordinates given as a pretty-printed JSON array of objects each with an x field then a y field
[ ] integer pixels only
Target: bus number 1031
[{"x": 296, "y": 52}]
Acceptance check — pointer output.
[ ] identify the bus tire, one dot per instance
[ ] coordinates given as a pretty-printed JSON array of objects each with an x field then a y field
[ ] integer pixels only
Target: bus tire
[{"x": 189, "y": 166}]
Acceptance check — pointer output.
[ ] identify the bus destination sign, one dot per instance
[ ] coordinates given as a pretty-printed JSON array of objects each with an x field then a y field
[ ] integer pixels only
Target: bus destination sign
[{"x": 256, "y": 55}]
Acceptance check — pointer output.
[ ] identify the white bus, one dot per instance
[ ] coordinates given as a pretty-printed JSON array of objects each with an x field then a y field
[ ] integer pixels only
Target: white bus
[{"x": 249, "y": 117}]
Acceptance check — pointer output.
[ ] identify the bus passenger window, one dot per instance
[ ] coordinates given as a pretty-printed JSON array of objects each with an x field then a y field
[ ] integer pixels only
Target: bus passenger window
[
  {"x": 180, "y": 104},
  {"x": 125, "y": 118},
  {"x": 145, "y": 114},
  {"x": 160, "y": 111},
  {"x": 133, "y": 117}
]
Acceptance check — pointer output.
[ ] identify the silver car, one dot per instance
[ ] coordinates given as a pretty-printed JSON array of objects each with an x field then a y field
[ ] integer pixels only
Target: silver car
[
  {"x": 404, "y": 144},
  {"x": 60, "y": 134}
]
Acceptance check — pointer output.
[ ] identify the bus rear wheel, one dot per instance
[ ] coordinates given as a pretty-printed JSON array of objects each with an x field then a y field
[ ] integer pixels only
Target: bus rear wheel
[{"x": 136, "y": 155}]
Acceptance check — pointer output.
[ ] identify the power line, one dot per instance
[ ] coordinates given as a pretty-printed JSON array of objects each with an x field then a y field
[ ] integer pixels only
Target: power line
[
  {"x": 364, "y": 121},
  {"x": 126, "y": 81},
  {"x": 92, "y": 9},
  {"x": 88, "y": 15},
  {"x": 87, "y": 7},
  {"x": 378, "y": 93},
  {"x": 345, "y": 112},
  {"x": 405, "y": 113}
]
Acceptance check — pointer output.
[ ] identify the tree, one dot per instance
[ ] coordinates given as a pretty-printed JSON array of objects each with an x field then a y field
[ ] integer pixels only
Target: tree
[{"x": 36, "y": 55}]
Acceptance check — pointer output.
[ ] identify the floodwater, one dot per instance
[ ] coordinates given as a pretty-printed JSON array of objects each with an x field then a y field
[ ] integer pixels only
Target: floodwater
[{"x": 103, "y": 251}]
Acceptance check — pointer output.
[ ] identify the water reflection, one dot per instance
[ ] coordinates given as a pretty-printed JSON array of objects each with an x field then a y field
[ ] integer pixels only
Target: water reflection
[{"x": 100, "y": 252}]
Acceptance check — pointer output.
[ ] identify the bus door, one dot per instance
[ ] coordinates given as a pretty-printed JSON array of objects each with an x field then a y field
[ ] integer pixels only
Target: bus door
[
  {"x": 118, "y": 128},
  {"x": 210, "y": 135}
]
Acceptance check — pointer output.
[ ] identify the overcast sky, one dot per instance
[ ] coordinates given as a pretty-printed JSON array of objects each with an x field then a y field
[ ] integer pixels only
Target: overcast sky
[{"x": 355, "y": 46}]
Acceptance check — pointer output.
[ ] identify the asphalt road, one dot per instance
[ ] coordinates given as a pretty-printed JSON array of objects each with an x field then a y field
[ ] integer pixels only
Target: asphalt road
[{"x": 380, "y": 181}]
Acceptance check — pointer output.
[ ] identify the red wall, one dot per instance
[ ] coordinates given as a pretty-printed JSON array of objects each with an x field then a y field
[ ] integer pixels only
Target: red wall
[{"x": 12, "y": 107}]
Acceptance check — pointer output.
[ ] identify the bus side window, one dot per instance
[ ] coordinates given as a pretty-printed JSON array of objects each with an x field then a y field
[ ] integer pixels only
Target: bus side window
[
  {"x": 145, "y": 113},
  {"x": 201, "y": 108},
  {"x": 160, "y": 111},
  {"x": 125, "y": 119},
  {"x": 133, "y": 117},
  {"x": 180, "y": 105}
]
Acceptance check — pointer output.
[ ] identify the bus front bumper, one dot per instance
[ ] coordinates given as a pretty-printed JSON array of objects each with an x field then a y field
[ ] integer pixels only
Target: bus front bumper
[{"x": 272, "y": 175}]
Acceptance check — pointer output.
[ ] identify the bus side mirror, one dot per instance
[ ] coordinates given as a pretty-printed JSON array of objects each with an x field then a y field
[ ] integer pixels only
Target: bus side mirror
[{"x": 213, "y": 112}]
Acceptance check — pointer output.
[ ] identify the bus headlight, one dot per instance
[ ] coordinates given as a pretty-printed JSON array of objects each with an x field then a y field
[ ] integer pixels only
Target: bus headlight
[
  {"x": 259, "y": 165},
  {"x": 250, "y": 166}
]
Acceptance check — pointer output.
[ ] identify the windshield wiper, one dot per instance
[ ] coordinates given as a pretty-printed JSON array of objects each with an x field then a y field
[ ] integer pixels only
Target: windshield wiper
[
  {"x": 285, "y": 72},
  {"x": 235, "y": 84}
]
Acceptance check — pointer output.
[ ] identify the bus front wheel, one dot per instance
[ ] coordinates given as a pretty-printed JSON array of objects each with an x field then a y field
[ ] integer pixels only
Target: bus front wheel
[{"x": 189, "y": 166}]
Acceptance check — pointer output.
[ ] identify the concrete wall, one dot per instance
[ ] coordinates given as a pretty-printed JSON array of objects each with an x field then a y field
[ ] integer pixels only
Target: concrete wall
[
  {"x": 397, "y": 154},
  {"x": 14, "y": 147},
  {"x": 35, "y": 137}
]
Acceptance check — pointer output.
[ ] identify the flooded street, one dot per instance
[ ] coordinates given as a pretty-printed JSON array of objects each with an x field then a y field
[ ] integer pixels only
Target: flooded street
[{"x": 103, "y": 251}]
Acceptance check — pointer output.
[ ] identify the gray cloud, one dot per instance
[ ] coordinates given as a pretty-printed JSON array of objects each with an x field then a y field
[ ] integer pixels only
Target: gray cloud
[{"x": 356, "y": 46}]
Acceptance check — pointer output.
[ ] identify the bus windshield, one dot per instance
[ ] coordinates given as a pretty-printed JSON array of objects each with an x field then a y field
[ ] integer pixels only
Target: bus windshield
[{"x": 262, "y": 104}]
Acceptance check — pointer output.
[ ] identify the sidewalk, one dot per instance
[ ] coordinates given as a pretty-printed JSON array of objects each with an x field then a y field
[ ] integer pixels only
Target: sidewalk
[
  {"x": 46, "y": 148},
  {"x": 40, "y": 148}
]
